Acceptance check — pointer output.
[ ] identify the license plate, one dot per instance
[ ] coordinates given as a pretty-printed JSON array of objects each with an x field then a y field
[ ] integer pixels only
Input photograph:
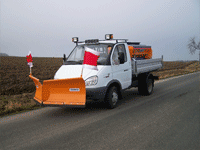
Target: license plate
[{"x": 74, "y": 89}]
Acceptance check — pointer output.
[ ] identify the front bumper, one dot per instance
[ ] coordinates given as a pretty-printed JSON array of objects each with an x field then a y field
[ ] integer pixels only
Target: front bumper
[{"x": 96, "y": 93}]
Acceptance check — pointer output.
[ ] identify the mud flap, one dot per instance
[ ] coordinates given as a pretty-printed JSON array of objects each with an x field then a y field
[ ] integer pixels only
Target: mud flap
[{"x": 60, "y": 92}]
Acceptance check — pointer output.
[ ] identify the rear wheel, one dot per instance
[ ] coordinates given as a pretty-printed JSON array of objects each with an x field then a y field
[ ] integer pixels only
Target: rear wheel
[
  {"x": 145, "y": 86},
  {"x": 112, "y": 97},
  {"x": 149, "y": 86}
]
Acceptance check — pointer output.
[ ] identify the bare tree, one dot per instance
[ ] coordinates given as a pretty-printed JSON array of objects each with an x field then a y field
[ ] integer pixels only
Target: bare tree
[{"x": 193, "y": 46}]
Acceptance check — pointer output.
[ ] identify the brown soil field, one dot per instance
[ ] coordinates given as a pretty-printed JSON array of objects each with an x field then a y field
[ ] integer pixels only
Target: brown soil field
[
  {"x": 174, "y": 68},
  {"x": 17, "y": 89},
  {"x": 14, "y": 73}
]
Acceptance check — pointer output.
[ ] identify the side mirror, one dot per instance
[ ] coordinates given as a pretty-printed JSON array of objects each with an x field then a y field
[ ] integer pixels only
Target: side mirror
[
  {"x": 64, "y": 58},
  {"x": 121, "y": 57}
]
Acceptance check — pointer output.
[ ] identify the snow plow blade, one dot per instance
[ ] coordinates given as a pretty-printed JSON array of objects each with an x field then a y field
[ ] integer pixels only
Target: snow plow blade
[{"x": 60, "y": 92}]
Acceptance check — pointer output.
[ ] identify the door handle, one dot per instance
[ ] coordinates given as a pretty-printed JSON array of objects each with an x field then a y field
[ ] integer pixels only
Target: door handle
[{"x": 125, "y": 70}]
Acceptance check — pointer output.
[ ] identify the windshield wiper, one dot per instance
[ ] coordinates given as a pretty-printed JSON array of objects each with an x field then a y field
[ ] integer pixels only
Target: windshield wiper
[
  {"x": 80, "y": 61},
  {"x": 73, "y": 62}
]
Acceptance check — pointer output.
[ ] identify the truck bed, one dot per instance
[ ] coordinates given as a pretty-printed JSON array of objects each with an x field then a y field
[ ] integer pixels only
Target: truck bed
[{"x": 146, "y": 65}]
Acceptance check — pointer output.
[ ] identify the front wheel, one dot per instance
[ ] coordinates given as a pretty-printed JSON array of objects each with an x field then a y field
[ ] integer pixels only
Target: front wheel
[{"x": 112, "y": 97}]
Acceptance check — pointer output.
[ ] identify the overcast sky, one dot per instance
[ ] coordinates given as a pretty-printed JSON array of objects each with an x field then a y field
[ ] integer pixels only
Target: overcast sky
[{"x": 45, "y": 27}]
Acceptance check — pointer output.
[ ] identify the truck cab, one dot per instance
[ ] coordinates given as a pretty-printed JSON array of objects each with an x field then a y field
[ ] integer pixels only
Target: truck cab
[{"x": 114, "y": 67}]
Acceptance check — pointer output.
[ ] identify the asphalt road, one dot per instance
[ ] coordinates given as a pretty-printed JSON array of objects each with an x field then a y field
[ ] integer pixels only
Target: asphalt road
[{"x": 168, "y": 119}]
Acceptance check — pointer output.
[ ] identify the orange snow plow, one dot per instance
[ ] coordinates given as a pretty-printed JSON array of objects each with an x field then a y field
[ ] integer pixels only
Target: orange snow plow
[{"x": 60, "y": 92}]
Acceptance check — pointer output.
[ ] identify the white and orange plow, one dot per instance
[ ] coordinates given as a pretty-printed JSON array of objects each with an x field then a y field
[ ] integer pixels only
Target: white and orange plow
[{"x": 60, "y": 92}]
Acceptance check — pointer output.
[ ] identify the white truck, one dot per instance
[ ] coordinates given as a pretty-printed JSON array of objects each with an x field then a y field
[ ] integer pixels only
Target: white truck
[{"x": 117, "y": 69}]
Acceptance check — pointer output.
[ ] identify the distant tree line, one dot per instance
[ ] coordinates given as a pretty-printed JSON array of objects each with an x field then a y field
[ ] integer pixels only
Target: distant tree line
[{"x": 3, "y": 54}]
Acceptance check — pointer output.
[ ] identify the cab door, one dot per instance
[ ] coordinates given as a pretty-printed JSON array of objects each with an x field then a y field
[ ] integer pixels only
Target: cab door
[{"x": 121, "y": 67}]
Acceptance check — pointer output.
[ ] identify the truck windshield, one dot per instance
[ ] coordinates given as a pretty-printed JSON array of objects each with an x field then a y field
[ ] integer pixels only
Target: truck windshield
[{"x": 77, "y": 55}]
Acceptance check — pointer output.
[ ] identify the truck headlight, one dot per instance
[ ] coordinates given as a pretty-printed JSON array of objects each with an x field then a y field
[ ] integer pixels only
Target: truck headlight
[{"x": 91, "y": 81}]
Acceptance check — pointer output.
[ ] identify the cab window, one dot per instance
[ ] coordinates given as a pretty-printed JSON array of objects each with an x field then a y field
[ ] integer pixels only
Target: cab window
[
  {"x": 121, "y": 49},
  {"x": 119, "y": 53}
]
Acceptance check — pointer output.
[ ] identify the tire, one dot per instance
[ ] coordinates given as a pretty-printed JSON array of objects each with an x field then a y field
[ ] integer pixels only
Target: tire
[
  {"x": 149, "y": 87},
  {"x": 112, "y": 97},
  {"x": 145, "y": 86}
]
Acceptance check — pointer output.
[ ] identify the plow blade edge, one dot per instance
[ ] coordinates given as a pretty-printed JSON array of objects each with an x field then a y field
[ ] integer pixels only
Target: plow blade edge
[{"x": 60, "y": 92}]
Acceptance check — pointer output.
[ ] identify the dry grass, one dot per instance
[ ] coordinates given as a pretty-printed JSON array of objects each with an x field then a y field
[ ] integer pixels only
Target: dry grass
[
  {"x": 171, "y": 69},
  {"x": 16, "y": 103},
  {"x": 17, "y": 89}
]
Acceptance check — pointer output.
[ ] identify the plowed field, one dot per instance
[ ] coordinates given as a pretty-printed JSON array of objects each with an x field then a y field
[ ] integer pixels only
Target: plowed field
[
  {"x": 17, "y": 89},
  {"x": 14, "y": 73}
]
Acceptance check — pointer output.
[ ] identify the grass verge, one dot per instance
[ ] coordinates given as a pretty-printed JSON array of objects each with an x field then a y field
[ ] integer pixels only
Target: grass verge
[{"x": 13, "y": 104}]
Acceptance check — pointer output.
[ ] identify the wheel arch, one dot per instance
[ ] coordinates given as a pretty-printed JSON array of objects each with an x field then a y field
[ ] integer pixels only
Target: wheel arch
[{"x": 117, "y": 84}]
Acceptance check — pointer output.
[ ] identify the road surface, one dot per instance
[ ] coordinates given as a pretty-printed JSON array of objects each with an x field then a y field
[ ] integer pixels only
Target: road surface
[{"x": 167, "y": 119}]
